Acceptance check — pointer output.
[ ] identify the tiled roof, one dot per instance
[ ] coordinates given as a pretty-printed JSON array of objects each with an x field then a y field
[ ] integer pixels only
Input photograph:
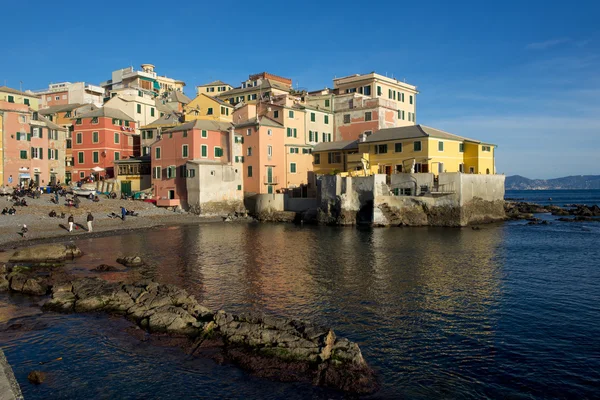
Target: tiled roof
[
  {"x": 215, "y": 83},
  {"x": 6, "y": 89},
  {"x": 265, "y": 121},
  {"x": 341, "y": 145},
  {"x": 267, "y": 84},
  {"x": 202, "y": 124},
  {"x": 169, "y": 119},
  {"x": 413, "y": 132},
  {"x": 60, "y": 108},
  {"x": 106, "y": 112}
]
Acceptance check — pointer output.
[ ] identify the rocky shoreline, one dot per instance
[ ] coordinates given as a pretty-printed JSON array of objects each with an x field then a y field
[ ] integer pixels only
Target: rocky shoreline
[
  {"x": 269, "y": 347},
  {"x": 518, "y": 210}
]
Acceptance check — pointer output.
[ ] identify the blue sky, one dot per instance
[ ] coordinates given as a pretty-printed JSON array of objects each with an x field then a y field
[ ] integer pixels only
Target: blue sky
[{"x": 524, "y": 75}]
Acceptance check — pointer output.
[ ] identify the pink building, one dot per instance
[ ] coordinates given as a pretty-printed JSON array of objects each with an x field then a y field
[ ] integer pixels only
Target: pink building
[
  {"x": 358, "y": 116},
  {"x": 28, "y": 146},
  {"x": 99, "y": 138},
  {"x": 195, "y": 140}
]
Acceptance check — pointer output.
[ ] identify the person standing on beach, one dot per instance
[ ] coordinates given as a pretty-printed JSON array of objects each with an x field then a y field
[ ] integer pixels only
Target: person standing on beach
[
  {"x": 71, "y": 221},
  {"x": 90, "y": 219},
  {"x": 123, "y": 213}
]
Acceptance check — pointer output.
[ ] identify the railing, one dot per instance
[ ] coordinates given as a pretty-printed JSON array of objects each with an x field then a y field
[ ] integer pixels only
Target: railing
[
  {"x": 443, "y": 188},
  {"x": 271, "y": 180}
]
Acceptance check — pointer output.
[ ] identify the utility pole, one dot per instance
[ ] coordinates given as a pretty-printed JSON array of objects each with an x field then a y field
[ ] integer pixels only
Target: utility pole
[{"x": 21, "y": 86}]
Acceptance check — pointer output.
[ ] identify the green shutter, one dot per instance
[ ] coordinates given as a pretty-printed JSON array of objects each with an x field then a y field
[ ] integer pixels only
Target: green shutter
[
  {"x": 139, "y": 108},
  {"x": 204, "y": 151},
  {"x": 295, "y": 133},
  {"x": 41, "y": 133},
  {"x": 56, "y": 154},
  {"x": 29, "y": 137},
  {"x": 49, "y": 154},
  {"x": 41, "y": 153},
  {"x": 18, "y": 135}
]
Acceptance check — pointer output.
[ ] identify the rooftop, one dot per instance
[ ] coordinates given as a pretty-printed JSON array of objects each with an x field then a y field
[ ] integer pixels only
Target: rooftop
[
  {"x": 413, "y": 132},
  {"x": 265, "y": 121},
  {"x": 215, "y": 83},
  {"x": 107, "y": 112},
  {"x": 340, "y": 145},
  {"x": 202, "y": 124},
  {"x": 6, "y": 89}
]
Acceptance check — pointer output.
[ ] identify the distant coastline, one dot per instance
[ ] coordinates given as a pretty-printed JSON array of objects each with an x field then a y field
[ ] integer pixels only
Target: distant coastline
[{"x": 577, "y": 182}]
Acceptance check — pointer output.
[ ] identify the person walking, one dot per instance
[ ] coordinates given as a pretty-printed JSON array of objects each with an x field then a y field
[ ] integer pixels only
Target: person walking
[
  {"x": 90, "y": 219},
  {"x": 71, "y": 220},
  {"x": 24, "y": 231},
  {"x": 123, "y": 213}
]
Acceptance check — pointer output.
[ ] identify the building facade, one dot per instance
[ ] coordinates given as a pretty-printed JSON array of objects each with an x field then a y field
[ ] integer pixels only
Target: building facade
[
  {"x": 63, "y": 93},
  {"x": 258, "y": 86},
  {"x": 14, "y": 96},
  {"x": 101, "y": 137},
  {"x": 208, "y": 108},
  {"x": 146, "y": 80},
  {"x": 137, "y": 104},
  {"x": 196, "y": 140},
  {"x": 213, "y": 89}
]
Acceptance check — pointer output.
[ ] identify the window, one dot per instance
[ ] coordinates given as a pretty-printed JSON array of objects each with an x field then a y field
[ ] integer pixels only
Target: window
[
  {"x": 313, "y": 117},
  {"x": 218, "y": 152},
  {"x": 390, "y": 93},
  {"x": 204, "y": 149},
  {"x": 310, "y": 136},
  {"x": 11, "y": 99},
  {"x": 410, "y": 99},
  {"x": 23, "y": 154},
  {"x": 82, "y": 174},
  {"x": 117, "y": 156},
  {"x": 79, "y": 138},
  {"x": 95, "y": 157},
  {"x": 26, "y": 102},
  {"x": 289, "y": 132},
  {"x": 78, "y": 121},
  {"x": 380, "y": 148},
  {"x": 94, "y": 120},
  {"x": 222, "y": 110},
  {"x": 184, "y": 151},
  {"x": 417, "y": 146},
  {"x": 398, "y": 147},
  {"x": 80, "y": 157},
  {"x": 269, "y": 151},
  {"x": 367, "y": 90},
  {"x": 461, "y": 148},
  {"x": 317, "y": 159},
  {"x": 204, "y": 134},
  {"x": 461, "y": 168},
  {"x": 346, "y": 118},
  {"x": 36, "y": 133},
  {"x": 335, "y": 158},
  {"x": 291, "y": 114},
  {"x": 293, "y": 168},
  {"x": 152, "y": 111},
  {"x": 269, "y": 132},
  {"x": 295, "y": 132},
  {"x": 326, "y": 119},
  {"x": 95, "y": 137},
  {"x": 23, "y": 119},
  {"x": 306, "y": 151},
  {"x": 324, "y": 137},
  {"x": 327, "y": 103},
  {"x": 249, "y": 171},
  {"x": 276, "y": 114},
  {"x": 171, "y": 172},
  {"x": 249, "y": 151},
  {"x": 486, "y": 148},
  {"x": 191, "y": 173},
  {"x": 440, "y": 146},
  {"x": 209, "y": 111},
  {"x": 471, "y": 170},
  {"x": 378, "y": 90},
  {"x": 248, "y": 131},
  {"x": 156, "y": 172},
  {"x": 402, "y": 97},
  {"x": 139, "y": 108},
  {"x": 157, "y": 153},
  {"x": 368, "y": 116},
  {"x": 126, "y": 123}
]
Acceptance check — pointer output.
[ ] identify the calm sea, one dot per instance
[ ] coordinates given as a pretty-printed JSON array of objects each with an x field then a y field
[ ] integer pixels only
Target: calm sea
[
  {"x": 508, "y": 311},
  {"x": 556, "y": 197}
]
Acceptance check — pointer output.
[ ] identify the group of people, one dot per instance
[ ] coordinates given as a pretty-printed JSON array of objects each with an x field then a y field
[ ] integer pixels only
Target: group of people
[
  {"x": 89, "y": 220},
  {"x": 9, "y": 211},
  {"x": 20, "y": 203}
]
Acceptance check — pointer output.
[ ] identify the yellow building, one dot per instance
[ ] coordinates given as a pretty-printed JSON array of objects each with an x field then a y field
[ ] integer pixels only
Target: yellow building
[
  {"x": 214, "y": 88},
  {"x": 414, "y": 148},
  {"x": 1, "y": 147},
  {"x": 18, "y": 97},
  {"x": 208, "y": 108}
]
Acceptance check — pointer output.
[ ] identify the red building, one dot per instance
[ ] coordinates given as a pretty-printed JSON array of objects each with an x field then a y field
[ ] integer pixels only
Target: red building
[
  {"x": 99, "y": 138},
  {"x": 196, "y": 140}
]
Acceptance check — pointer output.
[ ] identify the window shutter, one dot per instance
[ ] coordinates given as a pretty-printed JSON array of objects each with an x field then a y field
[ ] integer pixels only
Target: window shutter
[
  {"x": 31, "y": 152},
  {"x": 56, "y": 154},
  {"x": 29, "y": 137},
  {"x": 41, "y": 152},
  {"x": 49, "y": 154},
  {"x": 41, "y": 133},
  {"x": 295, "y": 132},
  {"x": 18, "y": 135}
]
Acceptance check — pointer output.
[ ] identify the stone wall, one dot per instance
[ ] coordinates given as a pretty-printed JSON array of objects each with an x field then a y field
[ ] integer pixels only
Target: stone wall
[
  {"x": 460, "y": 199},
  {"x": 215, "y": 189}
]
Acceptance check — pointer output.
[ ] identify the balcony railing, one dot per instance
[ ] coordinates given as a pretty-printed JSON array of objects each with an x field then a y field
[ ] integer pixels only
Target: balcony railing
[{"x": 273, "y": 180}]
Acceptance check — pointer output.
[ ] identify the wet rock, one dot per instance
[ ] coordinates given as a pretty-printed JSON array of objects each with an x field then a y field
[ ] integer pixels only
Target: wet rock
[
  {"x": 104, "y": 268},
  {"x": 17, "y": 281},
  {"x": 46, "y": 253},
  {"x": 35, "y": 286},
  {"x": 131, "y": 261},
  {"x": 36, "y": 377}
]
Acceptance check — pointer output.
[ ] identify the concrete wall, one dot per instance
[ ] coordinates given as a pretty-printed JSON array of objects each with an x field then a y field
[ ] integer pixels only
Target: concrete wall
[
  {"x": 298, "y": 204},
  {"x": 215, "y": 189},
  {"x": 259, "y": 203}
]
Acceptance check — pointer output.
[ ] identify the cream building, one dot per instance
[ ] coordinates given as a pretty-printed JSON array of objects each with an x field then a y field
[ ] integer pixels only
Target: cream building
[
  {"x": 137, "y": 104},
  {"x": 213, "y": 89}
]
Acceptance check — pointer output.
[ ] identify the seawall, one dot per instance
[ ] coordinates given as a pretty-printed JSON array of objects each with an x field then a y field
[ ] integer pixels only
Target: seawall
[{"x": 9, "y": 388}]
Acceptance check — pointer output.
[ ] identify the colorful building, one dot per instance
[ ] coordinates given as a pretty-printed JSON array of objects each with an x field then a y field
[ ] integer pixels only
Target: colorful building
[
  {"x": 138, "y": 104},
  {"x": 258, "y": 86},
  {"x": 196, "y": 140},
  {"x": 212, "y": 89},
  {"x": 152, "y": 132},
  {"x": 133, "y": 174},
  {"x": 416, "y": 148},
  {"x": 101, "y": 137},
  {"x": 208, "y": 108},
  {"x": 146, "y": 80},
  {"x": 32, "y": 146},
  {"x": 173, "y": 101},
  {"x": 18, "y": 97},
  {"x": 63, "y": 93}
]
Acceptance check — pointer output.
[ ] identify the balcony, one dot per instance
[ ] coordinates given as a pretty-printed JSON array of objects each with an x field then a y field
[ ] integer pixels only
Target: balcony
[{"x": 273, "y": 180}]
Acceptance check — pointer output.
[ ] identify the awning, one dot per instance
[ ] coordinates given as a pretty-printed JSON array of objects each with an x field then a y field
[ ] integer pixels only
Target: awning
[
  {"x": 147, "y": 79},
  {"x": 97, "y": 169},
  {"x": 24, "y": 176},
  {"x": 156, "y": 85}
]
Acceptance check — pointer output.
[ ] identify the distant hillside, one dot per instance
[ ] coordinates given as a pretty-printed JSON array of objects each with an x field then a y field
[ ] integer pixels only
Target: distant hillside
[{"x": 517, "y": 182}]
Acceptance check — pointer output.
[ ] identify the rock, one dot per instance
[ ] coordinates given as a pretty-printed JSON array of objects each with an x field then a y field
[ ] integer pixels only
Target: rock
[
  {"x": 131, "y": 261},
  {"x": 35, "y": 286},
  {"x": 104, "y": 268},
  {"x": 17, "y": 281},
  {"x": 4, "y": 283},
  {"x": 46, "y": 253},
  {"x": 36, "y": 377}
]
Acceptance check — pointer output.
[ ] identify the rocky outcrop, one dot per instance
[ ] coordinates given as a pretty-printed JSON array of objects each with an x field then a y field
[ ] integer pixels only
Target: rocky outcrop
[
  {"x": 283, "y": 349},
  {"x": 276, "y": 216},
  {"x": 131, "y": 261},
  {"x": 46, "y": 253}
]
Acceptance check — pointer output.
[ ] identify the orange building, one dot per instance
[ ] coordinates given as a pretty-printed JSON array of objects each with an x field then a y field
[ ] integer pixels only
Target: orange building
[{"x": 101, "y": 137}]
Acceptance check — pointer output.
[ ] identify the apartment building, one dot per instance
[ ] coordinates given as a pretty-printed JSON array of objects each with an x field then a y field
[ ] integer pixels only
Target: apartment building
[
  {"x": 146, "y": 80},
  {"x": 15, "y": 96},
  {"x": 214, "y": 88},
  {"x": 63, "y": 93},
  {"x": 257, "y": 86}
]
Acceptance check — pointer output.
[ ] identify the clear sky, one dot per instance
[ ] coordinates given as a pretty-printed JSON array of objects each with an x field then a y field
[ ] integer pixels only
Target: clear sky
[{"x": 524, "y": 75}]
